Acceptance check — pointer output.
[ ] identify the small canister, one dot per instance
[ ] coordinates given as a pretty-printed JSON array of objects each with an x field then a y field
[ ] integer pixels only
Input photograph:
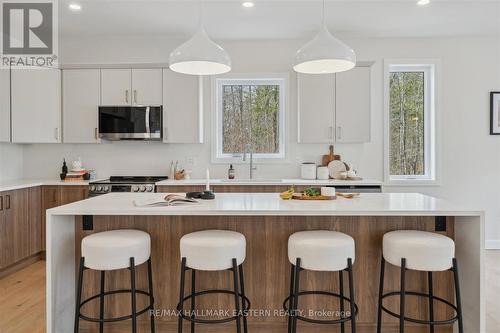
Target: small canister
[
  {"x": 323, "y": 173},
  {"x": 308, "y": 170}
]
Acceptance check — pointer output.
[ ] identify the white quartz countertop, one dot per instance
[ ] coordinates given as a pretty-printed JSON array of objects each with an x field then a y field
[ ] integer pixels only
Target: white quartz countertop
[
  {"x": 317, "y": 182},
  {"x": 17, "y": 184},
  {"x": 367, "y": 204}
]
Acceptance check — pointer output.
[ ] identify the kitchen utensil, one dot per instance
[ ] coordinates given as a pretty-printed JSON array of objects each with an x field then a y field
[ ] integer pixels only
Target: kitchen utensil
[
  {"x": 348, "y": 195},
  {"x": 322, "y": 173},
  {"x": 330, "y": 157},
  {"x": 335, "y": 167},
  {"x": 308, "y": 170}
]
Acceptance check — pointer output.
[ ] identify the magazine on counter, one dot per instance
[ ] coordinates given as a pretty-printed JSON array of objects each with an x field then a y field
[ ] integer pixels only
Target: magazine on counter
[{"x": 167, "y": 200}]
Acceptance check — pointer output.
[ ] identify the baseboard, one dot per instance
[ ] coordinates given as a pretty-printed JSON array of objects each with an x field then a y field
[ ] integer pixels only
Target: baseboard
[
  {"x": 19, "y": 265},
  {"x": 492, "y": 244}
]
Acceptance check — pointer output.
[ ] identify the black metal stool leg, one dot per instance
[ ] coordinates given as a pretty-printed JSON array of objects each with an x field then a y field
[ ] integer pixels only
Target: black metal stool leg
[
  {"x": 242, "y": 284},
  {"x": 79, "y": 295},
  {"x": 133, "y": 295},
  {"x": 458, "y": 297},
  {"x": 296, "y": 295},
  {"x": 181, "y": 294},
  {"x": 236, "y": 295},
  {"x": 341, "y": 291},
  {"x": 351, "y": 295},
  {"x": 431, "y": 301},
  {"x": 151, "y": 296},
  {"x": 290, "y": 299},
  {"x": 101, "y": 303},
  {"x": 380, "y": 293},
  {"x": 402, "y": 297},
  {"x": 193, "y": 291}
]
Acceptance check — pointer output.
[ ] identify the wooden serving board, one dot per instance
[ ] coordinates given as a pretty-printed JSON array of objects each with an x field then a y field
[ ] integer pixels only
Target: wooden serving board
[{"x": 300, "y": 196}]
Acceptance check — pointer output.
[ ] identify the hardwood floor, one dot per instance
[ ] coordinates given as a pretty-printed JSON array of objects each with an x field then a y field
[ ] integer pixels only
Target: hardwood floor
[{"x": 22, "y": 298}]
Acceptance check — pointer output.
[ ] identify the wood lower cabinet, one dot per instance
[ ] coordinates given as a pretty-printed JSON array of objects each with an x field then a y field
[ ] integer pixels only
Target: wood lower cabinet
[
  {"x": 58, "y": 195},
  {"x": 228, "y": 188},
  {"x": 20, "y": 229}
]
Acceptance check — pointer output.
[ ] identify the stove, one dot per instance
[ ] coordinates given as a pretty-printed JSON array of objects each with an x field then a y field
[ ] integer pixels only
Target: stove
[{"x": 124, "y": 184}]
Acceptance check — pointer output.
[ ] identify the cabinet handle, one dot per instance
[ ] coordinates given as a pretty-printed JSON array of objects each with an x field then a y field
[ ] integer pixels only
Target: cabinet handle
[
  {"x": 7, "y": 205},
  {"x": 1, "y": 204},
  {"x": 96, "y": 134},
  {"x": 135, "y": 96},
  {"x": 126, "y": 96},
  {"x": 330, "y": 132},
  {"x": 339, "y": 132},
  {"x": 165, "y": 133},
  {"x": 56, "y": 133}
]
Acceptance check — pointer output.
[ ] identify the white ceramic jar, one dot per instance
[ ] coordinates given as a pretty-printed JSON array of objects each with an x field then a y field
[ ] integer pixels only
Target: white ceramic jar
[
  {"x": 322, "y": 173},
  {"x": 308, "y": 171}
]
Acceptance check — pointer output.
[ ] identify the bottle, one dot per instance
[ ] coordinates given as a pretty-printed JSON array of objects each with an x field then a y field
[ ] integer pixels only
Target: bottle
[
  {"x": 230, "y": 172},
  {"x": 64, "y": 167}
]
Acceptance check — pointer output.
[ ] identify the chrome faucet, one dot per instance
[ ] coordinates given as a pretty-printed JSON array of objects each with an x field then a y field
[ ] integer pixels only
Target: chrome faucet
[{"x": 248, "y": 149}]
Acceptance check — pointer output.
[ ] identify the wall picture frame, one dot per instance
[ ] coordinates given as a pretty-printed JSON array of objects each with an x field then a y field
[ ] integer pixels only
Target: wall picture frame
[{"x": 495, "y": 113}]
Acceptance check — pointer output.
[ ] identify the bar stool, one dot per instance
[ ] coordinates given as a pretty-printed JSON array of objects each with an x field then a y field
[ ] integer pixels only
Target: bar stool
[
  {"x": 213, "y": 250},
  {"x": 110, "y": 250},
  {"x": 420, "y": 251},
  {"x": 321, "y": 250}
]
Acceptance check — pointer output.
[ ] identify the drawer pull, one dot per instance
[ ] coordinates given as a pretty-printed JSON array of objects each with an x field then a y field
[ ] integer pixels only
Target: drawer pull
[
  {"x": 1, "y": 204},
  {"x": 7, "y": 205}
]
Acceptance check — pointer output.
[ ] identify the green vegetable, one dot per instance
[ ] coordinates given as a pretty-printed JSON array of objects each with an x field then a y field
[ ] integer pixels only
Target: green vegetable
[{"x": 312, "y": 192}]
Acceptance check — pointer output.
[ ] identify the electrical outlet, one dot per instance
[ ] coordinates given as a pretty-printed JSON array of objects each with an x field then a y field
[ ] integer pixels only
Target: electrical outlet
[{"x": 191, "y": 161}]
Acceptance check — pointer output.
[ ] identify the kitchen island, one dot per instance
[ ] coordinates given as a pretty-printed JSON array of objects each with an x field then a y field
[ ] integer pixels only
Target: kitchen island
[{"x": 267, "y": 222}]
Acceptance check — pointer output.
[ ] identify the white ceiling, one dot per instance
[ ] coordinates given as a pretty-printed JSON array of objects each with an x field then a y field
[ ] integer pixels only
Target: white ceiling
[{"x": 280, "y": 19}]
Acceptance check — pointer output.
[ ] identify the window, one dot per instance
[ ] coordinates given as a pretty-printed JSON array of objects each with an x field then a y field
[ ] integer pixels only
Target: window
[
  {"x": 250, "y": 117},
  {"x": 410, "y": 121}
]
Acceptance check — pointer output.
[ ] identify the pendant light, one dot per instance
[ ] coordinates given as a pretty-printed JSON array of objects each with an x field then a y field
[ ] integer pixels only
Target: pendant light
[
  {"x": 200, "y": 55},
  {"x": 324, "y": 53}
]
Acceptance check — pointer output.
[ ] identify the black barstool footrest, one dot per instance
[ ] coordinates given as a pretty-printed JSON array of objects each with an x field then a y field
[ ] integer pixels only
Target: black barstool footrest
[
  {"x": 420, "y": 321},
  {"x": 115, "y": 319},
  {"x": 317, "y": 321},
  {"x": 246, "y": 307}
]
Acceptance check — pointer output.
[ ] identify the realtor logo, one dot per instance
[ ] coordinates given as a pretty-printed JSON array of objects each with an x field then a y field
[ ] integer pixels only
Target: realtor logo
[{"x": 28, "y": 33}]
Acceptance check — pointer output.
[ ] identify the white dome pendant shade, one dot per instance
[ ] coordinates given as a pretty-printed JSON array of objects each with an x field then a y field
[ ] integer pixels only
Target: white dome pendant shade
[
  {"x": 324, "y": 54},
  {"x": 200, "y": 56}
]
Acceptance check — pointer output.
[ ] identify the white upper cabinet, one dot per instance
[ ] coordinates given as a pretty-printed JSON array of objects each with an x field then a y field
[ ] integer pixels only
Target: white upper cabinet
[
  {"x": 182, "y": 108},
  {"x": 353, "y": 106},
  {"x": 4, "y": 105},
  {"x": 116, "y": 87},
  {"x": 316, "y": 108},
  {"x": 147, "y": 86},
  {"x": 334, "y": 107},
  {"x": 36, "y": 105},
  {"x": 81, "y": 93}
]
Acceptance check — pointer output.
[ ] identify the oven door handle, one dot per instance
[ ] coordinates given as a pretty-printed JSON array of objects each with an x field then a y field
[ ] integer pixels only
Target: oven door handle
[{"x": 148, "y": 130}]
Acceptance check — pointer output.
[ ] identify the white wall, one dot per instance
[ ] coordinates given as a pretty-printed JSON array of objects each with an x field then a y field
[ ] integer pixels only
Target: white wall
[
  {"x": 11, "y": 161},
  {"x": 470, "y": 158}
]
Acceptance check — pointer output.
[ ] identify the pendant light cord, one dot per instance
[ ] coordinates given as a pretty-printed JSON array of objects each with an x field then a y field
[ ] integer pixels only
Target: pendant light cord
[{"x": 323, "y": 15}]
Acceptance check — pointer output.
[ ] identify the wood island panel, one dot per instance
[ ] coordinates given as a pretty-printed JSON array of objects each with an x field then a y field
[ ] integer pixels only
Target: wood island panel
[{"x": 267, "y": 271}]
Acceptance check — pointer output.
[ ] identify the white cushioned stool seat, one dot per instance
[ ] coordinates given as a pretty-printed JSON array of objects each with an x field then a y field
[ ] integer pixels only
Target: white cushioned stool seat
[
  {"x": 424, "y": 251},
  {"x": 321, "y": 250},
  {"x": 113, "y": 249},
  {"x": 213, "y": 250}
]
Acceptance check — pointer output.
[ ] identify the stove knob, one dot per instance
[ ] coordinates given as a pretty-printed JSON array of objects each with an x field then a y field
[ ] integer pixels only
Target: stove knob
[
  {"x": 149, "y": 189},
  {"x": 106, "y": 189},
  {"x": 135, "y": 188},
  {"x": 143, "y": 188},
  {"x": 98, "y": 188},
  {"x": 92, "y": 188}
]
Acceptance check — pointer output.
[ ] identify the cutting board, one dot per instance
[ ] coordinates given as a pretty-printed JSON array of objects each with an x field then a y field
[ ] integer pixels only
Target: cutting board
[
  {"x": 300, "y": 196},
  {"x": 330, "y": 157}
]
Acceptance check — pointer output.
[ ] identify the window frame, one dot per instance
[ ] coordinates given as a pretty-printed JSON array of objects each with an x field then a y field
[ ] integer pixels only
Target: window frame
[
  {"x": 248, "y": 79},
  {"x": 430, "y": 68}
]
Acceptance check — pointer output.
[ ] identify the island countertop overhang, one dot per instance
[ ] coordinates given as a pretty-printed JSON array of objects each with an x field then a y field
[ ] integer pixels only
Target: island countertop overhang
[{"x": 256, "y": 204}]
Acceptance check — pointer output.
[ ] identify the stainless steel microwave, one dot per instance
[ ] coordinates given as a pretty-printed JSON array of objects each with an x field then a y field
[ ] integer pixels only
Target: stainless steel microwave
[{"x": 131, "y": 122}]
